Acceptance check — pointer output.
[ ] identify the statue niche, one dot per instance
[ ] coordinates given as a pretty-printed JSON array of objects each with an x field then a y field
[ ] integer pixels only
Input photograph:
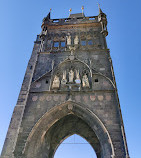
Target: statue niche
[
  {"x": 76, "y": 40},
  {"x": 71, "y": 76},
  {"x": 56, "y": 82},
  {"x": 64, "y": 80},
  {"x": 68, "y": 40},
  {"x": 85, "y": 81},
  {"x": 77, "y": 80}
]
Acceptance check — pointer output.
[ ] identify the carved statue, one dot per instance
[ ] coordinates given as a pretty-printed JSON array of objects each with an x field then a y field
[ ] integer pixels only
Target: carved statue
[
  {"x": 71, "y": 76},
  {"x": 68, "y": 40},
  {"x": 76, "y": 40},
  {"x": 64, "y": 80},
  {"x": 56, "y": 82},
  {"x": 77, "y": 81},
  {"x": 85, "y": 81}
]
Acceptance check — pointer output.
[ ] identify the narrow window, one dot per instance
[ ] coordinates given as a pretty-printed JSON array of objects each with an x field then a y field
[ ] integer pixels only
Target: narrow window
[
  {"x": 90, "y": 42},
  {"x": 96, "y": 80},
  {"x": 56, "y": 44},
  {"x": 63, "y": 44},
  {"x": 83, "y": 43}
]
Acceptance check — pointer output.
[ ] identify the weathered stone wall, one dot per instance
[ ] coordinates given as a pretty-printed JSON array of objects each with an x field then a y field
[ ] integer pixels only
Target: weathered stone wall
[{"x": 38, "y": 98}]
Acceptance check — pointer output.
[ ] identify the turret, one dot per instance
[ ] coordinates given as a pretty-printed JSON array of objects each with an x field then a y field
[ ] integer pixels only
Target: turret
[{"x": 102, "y": 18}]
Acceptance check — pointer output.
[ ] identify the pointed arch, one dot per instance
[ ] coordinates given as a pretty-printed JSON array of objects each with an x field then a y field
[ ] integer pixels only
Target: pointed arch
[{"x": 41, "y": 137}]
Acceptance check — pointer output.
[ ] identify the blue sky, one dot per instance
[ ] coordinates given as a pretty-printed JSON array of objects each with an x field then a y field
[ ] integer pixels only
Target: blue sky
[{"x": 20, "y": 22}]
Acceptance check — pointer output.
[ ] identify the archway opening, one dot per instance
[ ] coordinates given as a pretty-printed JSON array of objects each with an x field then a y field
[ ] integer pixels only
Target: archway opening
[{"x": 75, "y": 146}]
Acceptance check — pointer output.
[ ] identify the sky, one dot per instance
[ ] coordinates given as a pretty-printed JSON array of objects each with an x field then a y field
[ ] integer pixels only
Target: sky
[{"x": 20, "y": 22}]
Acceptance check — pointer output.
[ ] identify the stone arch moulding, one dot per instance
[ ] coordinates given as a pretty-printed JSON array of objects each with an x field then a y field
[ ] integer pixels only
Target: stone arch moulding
[{"x": 39, "y": 133}]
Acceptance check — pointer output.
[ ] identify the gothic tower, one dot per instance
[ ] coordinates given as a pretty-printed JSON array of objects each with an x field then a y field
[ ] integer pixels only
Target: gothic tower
[{"x": 69, "y": 88}]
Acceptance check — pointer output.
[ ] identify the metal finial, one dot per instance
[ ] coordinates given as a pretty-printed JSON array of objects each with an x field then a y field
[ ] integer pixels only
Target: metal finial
[
  {"x": 82, "y": 9},
  {"x": 50, "y": 9},
  {"x": 70, "y": 10}
]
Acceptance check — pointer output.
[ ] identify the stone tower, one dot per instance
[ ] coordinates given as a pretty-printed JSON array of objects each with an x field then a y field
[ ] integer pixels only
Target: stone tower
[{"x": 69, "y": 88}]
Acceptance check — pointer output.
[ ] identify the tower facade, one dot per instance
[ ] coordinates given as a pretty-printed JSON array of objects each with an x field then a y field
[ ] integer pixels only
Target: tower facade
[{"x": 69, "y": 88}]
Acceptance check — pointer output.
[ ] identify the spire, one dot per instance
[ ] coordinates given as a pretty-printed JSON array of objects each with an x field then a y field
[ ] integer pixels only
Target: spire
[
  {"x": 48, "y": 16},
  {"x": 100, "y": 11}
]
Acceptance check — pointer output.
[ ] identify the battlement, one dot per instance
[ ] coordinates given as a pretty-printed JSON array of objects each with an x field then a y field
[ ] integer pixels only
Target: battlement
[{"x": 70, "y": 20}]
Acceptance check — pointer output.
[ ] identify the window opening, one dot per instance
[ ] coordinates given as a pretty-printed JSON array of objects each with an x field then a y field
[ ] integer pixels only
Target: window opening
[
  {"x": 63, "y": 44},
  {"x": 91, "y": 18},
  {"x": 56, "y": 44},
  {"x": 90, "y": 42},
  {"x": 55, "y": 21},
  {"x": 96, "y": 80},
  {"x": 83, "y": 43}
]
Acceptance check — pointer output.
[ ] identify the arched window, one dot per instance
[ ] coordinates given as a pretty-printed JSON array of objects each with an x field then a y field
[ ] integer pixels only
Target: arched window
[{"x": 75, "y": 147}]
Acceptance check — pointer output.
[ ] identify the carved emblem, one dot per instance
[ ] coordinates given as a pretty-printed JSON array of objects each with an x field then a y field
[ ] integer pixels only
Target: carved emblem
[
  {"x": 92, "y": 97},
  {"x": 85, "y": 98},
  {"x": 49, "y": 98},
  {"x": 42, "y": 98},
  {"x": 100, "y": 97},
  {"x": 70, "y": 106},
  {"x": 34, "y": 98}
]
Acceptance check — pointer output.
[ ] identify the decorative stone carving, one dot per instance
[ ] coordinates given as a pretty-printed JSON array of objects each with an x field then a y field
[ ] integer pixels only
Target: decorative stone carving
[
  {"x": 77, "y": 81},
  {"x": 68, "y": 40},
  {"x": 56, "y": 82},
  {"x": 71, "y": 76},
  {"x": 76, "y": 40},
  {"x": 85, "y": 81},
  {"x": 64, "y": 80}
]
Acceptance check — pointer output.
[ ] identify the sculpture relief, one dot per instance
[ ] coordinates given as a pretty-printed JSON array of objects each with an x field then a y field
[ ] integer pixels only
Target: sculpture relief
[
  {"x": 77, "y": 80},
  {"x": 71, "y": 76},
  {"x": 85, "y": 81},
  {"x": 64, "y": 80},
  {"x": 56, "y": 82},
  {"x": 68, "y": 40},
  {"x": 76, "y": 40}
]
